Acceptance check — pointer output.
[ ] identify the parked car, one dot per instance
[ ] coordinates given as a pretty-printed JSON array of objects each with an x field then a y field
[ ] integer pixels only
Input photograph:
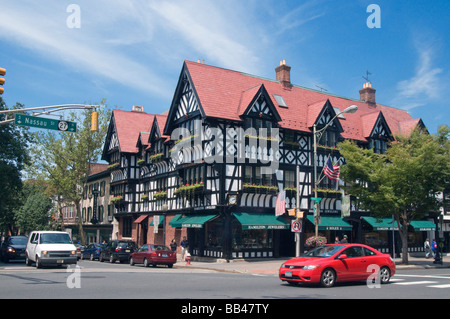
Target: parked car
[
  {"x": 50, "y": 248},
  {"x": 150, "y": 254},
  {"x": 117, "y": 250},
  {"x": 13, "y": 248},
  {"x": 91, "y": 251},
  {"x": 337, "y": 263},
  {"x": 79, "y": 249}
]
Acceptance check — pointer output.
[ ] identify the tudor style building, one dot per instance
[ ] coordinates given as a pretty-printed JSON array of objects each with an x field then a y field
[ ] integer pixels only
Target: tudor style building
[{"x": 210, "y": 168}]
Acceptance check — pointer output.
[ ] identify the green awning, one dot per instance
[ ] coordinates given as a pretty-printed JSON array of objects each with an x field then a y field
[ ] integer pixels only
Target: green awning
[
  {"x": 331, "y": 223},
  {"x": 161, "y": 221},
  {"x": 195, "y": 221},
  {"x": 380, "y": 223},
  {"x": 175, "y": 221},
  {"x": 423, "y": 225},
  {"x": 261, "y": 221}
]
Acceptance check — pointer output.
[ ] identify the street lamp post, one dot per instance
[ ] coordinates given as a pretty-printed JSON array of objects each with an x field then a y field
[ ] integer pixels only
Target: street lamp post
[{"x": 317, "y": 134}]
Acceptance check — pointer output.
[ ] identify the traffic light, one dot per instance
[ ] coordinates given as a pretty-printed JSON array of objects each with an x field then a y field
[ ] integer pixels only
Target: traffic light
[
  {"x": 2, "y": 80},
  {"x": 94, "y": 121}
]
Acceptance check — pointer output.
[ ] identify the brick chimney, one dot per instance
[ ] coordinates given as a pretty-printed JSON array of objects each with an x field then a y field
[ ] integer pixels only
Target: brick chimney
[
  {"x": 138, "y": 108},
  {"x": 283, "y": 72},
  {"x": 367, "y": 94}
]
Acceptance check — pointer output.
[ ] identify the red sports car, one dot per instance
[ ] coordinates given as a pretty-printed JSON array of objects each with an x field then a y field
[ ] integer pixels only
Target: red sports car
[
  {"x": 337, "y": 263},
  {"x": 150, "y": 254}
]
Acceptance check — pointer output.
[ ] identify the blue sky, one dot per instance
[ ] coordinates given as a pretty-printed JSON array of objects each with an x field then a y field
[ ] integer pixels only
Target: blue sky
[{"x": 131, "y": 52}]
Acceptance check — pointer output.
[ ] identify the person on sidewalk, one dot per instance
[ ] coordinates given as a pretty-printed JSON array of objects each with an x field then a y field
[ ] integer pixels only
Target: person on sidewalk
[
  {"x": 184, "y": 247},
  {"x": 427, "y": 247}
]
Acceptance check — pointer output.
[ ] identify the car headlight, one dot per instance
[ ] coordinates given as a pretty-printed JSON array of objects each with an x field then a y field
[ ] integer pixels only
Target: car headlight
[
  {"x": 11, "y": 250},
  {"x": 310, "y": 267},
  {"x": 73, "y": 252},
  {"x": 44, "y": 253}
]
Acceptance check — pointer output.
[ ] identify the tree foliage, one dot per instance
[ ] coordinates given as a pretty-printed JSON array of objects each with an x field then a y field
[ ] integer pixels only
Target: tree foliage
[
  {"x": 63, "y": 158},
  {"x": 14, "y": 141},
  {"x": 405, "y": 182}
]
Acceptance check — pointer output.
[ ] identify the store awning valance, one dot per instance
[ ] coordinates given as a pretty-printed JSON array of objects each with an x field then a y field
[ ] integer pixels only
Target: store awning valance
[
  {"x": 331, "y": 223},
  {"x": 380, "y": 223},
  {"x": 261, "y": 221},
  {"x": 423, "y": 225},
  {"x": 175, "y": 221},
  {"x": 161, "y": 221},
  {"x": 195, "y": 221}
]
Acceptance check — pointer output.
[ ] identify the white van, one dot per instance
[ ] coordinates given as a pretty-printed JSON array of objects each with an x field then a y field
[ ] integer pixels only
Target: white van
[{"x": 46, "y": 248}]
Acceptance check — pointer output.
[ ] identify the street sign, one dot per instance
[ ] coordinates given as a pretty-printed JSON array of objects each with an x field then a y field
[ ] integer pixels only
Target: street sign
[
  {"x": 42, "y": 122},
  {"x": 296, "y": 226},
  {"x": 316, "y": 199}
]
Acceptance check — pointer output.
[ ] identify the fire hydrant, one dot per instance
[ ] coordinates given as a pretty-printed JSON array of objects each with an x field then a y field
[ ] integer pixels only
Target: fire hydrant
[{"x": 188, "y": 259}]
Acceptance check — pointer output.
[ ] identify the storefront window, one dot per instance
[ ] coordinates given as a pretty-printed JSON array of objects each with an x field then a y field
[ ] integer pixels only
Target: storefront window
[
  {"x": 377, "y": 238},
  {"x": 244, "y": 239},
  {"x": 214, "y": 231}
]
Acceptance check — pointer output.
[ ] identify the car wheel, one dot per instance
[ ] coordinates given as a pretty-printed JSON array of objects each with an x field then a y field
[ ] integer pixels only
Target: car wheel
[
  {"x": 100, "y": 258},
  {"x": 131, "y": 261},
  {"x": 27, "y": 261},
  {"x": 92, "y": 258},
  {"x": 328, "y": 278},
  {"x": 38, "y": 262},
  {"x": 111, "y": 259},
  {"x": 385, "y": 275},
  {"x": 145, "y": 262}
]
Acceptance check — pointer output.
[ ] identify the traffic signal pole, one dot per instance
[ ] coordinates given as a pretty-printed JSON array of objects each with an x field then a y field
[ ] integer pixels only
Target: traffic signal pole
[{"x": 55, "y": 108}]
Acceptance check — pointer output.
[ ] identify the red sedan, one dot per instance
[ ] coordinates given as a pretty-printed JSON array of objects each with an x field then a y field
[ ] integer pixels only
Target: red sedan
[
  {"x": 337, "y": 263},
  {"x": 153, "y": 255}
]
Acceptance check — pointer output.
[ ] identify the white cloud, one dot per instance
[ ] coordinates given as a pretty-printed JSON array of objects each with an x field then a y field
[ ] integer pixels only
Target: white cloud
[{"x": 424, "y": 86}]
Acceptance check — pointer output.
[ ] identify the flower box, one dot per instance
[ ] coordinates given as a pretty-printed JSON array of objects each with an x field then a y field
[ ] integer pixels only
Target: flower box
[{"x": 160, "y": 195}]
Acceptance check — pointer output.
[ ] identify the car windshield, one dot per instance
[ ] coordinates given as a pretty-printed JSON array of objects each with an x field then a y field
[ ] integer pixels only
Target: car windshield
[
  {"x": 19, "y": 241},
  {"x": 159, "y": 247},
  {"x": 323, "y": 251},
  {"x": 55, "y": 238}
]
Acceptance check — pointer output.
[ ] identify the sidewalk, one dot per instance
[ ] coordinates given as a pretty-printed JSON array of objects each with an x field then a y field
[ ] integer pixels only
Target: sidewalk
[{"x": 271, "y": 265}]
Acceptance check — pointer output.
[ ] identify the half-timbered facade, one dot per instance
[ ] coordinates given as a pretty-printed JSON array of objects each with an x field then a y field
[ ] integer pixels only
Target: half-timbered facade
[{"x": 211, "y": 167}]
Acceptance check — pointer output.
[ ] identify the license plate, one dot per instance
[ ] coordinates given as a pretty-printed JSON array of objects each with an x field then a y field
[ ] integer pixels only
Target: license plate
[
  {"x": 60, "y": 261},
  {"x": 164, "y": 255},
  {"x": 288, "y": 274},
  {"x": 127, "y": 250},
  {"x": 22, "y": 255}
]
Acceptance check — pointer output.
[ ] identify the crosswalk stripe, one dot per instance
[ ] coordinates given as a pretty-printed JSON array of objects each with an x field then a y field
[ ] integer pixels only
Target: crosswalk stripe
[
  {"x": 423, "y": 282},
  {"x": 440, "y": 286}
]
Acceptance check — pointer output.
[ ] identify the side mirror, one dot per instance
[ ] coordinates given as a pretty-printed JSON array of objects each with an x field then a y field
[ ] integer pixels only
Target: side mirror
[{"x": 343, "y": 256}]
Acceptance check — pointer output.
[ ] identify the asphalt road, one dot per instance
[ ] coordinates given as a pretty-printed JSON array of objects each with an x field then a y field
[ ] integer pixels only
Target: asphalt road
[{"x": 94, "y": 280}]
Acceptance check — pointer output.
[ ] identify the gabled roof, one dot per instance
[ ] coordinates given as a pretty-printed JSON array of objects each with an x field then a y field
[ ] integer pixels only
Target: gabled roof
[
  {"x": 223, "y": 93},
  {"x": 128, "y": 126}
]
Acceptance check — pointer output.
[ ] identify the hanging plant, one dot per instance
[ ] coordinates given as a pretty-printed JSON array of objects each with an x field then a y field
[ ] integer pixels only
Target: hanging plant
[{"x": 315, "y": 241}]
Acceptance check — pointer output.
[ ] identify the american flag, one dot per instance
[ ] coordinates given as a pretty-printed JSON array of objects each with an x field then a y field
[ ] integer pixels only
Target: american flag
[
  {"x": 280, "y": 206},
  {"x": 332, "y": 172}
]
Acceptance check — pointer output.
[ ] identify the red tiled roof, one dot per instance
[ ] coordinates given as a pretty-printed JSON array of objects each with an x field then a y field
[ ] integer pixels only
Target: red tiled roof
[
  {"x": 224, "y": 93},
  {"x": 128, "y": 127}
]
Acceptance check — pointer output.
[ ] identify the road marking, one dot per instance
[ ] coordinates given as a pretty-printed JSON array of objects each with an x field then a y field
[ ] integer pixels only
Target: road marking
[
  {"x": 423, "y": 282},
  {"x": 440, "y": 286}
]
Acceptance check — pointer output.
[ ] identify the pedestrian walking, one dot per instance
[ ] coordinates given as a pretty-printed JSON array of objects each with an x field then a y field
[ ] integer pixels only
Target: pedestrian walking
[
  {"x": 173, "y": 245},
  {"x": 184, "y": 247},
  {"x": 434, "y": 248},
  {"x": 427, "y": 247}
]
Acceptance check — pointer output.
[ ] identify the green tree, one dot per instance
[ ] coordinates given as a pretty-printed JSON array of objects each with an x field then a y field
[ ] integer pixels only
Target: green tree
[
  {"x": 35, "y": 210},
  {"x": 14, "y": 142},
  {"x": 405, "y": 182},
  {"x": 63, "y": 158}
]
